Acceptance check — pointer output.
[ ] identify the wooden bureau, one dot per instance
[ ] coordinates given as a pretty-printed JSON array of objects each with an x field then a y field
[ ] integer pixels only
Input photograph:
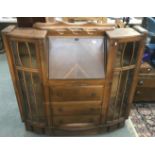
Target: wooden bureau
[{"x": 74, "y": 79}]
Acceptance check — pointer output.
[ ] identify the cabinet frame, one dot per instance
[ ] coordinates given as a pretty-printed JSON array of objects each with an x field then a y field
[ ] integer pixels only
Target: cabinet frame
[{"x": 40, "y": 39}]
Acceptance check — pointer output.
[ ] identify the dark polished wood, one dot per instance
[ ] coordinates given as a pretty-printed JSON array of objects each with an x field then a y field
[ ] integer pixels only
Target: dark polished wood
[
  {"x": 29, "y": 21},
  {"x": 77, "y": 83},
  {"x": 146, "y": 84}
]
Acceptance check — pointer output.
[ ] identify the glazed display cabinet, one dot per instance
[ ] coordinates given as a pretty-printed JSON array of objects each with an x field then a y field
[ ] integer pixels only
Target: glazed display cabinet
[{"x": 74, "y": 79}]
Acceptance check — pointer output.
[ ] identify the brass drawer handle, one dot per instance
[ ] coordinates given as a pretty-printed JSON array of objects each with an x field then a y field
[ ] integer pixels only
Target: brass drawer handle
[{"x": 141, "y": 82}]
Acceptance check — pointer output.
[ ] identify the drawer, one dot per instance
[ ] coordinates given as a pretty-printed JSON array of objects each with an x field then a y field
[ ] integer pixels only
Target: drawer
[
  {"x": 76, "y": 108},
  {"x": 80, "y": 119},
  {"x": 144, "y": 94},
  {"x": 146, "y": 82},
  {"x": 82, "y": 93}
]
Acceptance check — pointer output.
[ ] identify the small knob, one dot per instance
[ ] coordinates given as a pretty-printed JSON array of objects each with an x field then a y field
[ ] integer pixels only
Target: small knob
[
  {"x": 149, "y": 69},
  {"x": 141, "y": 82},
  {"x": 115, "y": 43},
  {"x": 138, "y": 92}
]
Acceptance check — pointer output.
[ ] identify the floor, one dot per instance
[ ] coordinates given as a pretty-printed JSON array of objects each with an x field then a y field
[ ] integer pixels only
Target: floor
[
  {"x": 143, "y": 119},
  {"x": 10, "y": 122}
]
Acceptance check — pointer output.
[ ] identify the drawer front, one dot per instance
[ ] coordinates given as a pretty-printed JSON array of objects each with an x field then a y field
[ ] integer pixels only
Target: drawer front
[
  {"x": 82, "y": 93},
  {"x": 76, "y": 108},
  {"x": 144, "y": 94},
  {"x": 68, "y": 120},
  {"x": 146, "y": 82}
]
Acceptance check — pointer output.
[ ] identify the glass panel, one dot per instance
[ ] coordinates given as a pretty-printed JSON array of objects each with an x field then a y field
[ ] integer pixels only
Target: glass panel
[
  {"x": 23, "y": 94},
  {"x": 119, "y": 94},
  {"x": 126, "y": 54},
  {"x": 15, "y": 54},
  {"x": 24, "y": 54},
  {"x": 39, "y": 97},
  {"x": 125, "y": 90},
  {"x": 31, "y": 94},
  {"x": 76, "y": 58}
]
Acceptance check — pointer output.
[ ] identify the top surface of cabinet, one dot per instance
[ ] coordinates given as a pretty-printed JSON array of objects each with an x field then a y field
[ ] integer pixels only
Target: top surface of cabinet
[
  {"x": 8, "y": 29},
  {"x": 122, "y": 33},
  {"x": 28, "y": 33}
]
